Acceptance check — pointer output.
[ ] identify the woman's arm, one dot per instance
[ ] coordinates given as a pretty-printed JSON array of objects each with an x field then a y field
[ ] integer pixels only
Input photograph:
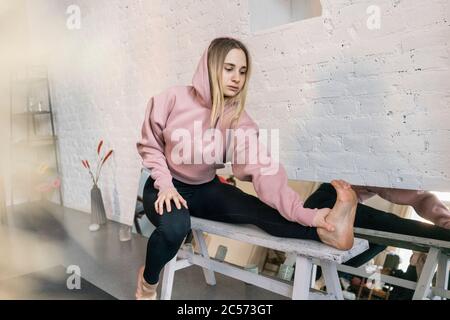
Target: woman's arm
[
  {"x": 151, "y": 145},
  {"x": 269, "y": 180}
]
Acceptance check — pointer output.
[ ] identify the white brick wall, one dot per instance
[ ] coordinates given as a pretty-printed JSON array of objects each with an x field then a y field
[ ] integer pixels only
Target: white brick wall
[{"x": 369, "y": 106}]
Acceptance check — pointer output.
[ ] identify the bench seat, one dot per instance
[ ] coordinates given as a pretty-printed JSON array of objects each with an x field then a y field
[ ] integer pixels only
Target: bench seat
[{"x": 303, "y": 250}]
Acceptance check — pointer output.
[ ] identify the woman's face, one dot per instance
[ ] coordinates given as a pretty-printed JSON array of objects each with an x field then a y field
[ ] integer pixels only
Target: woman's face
[{"x": 234, "y": 72}]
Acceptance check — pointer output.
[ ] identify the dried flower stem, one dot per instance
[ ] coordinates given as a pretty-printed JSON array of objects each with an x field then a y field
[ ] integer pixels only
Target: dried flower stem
[{"x": 100, "y": 163}]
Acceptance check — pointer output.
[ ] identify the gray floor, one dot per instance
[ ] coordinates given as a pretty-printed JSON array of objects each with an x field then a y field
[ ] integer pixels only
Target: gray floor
[
  {"x": 50, "y": 284},
  {"x": 40, "y": 237}
]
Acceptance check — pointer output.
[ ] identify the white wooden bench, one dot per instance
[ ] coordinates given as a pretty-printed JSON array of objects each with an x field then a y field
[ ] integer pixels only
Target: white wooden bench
[
  {"x": 438, "y": 257},
  {"x": 304, "y": 251}
]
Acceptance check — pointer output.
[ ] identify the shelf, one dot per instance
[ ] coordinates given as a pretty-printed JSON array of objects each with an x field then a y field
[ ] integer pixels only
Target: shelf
[
  {"x": 21, "y": 114},
  {"x": 34, "y": 138},
  {"x": 30, "y": 80},
  {"x": 25, "y": 185},
  {"x": 31, "y": 168},
  {"x": 44, "y": 141}
]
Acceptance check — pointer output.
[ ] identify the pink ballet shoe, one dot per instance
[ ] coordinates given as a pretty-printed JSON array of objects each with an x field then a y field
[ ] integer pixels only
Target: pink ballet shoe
[{"x": 145, "y": 290}]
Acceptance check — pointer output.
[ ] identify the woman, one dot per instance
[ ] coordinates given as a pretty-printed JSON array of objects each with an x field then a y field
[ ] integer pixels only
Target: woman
[{"x": 216, "y": 100}]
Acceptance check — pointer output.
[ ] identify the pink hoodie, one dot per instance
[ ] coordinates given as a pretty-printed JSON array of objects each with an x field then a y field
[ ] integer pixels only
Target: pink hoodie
[{"x": 177, "y": 108}]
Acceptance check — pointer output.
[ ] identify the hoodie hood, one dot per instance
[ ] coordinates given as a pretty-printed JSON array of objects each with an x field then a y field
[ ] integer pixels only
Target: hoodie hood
[{"x": 200, "y": 81}]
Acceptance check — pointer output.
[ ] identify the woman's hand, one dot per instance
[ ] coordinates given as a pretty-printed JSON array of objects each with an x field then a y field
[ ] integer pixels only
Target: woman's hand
[
  {"x": 319, "y": 220},
  {"x": 165, "y": 197}
]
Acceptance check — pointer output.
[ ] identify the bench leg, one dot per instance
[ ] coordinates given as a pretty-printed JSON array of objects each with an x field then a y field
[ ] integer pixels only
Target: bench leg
[
  {"x": 331, "y": 278},
  {"x": 167, "y": 283},
  {"x": 209, "y": 274},
  {"x": 313, "y": 276},
  {"x": 442, "y": 272},
  {"x": 302, "y": 278},
  {"x": 424, "y": 282}
]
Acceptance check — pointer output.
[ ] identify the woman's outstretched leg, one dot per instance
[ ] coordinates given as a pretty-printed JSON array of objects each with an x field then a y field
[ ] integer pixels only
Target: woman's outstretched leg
[
  {"x": 226, "y": 203},
  {"x": 371, "y": 218}
]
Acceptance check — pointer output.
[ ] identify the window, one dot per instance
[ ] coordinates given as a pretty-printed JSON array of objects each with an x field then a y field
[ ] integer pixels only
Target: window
[{"x": 265, "y": 14}]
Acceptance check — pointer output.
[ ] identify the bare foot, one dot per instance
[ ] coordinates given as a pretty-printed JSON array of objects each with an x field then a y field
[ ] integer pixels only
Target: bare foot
[{"x": 342, "y": 216}]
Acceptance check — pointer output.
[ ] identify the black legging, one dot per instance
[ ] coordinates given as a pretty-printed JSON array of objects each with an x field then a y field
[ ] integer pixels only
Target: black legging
[
  {"x": 218, "y": 201},
  {"x": 213, "y": 200}
]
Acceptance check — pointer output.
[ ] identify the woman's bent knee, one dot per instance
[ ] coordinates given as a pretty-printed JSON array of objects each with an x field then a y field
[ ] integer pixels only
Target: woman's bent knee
[{"x": 175, "y": 230}]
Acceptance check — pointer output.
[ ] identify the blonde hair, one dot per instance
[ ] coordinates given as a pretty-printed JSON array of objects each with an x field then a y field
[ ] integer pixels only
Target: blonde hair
[{"x": 217, "y": 52}]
